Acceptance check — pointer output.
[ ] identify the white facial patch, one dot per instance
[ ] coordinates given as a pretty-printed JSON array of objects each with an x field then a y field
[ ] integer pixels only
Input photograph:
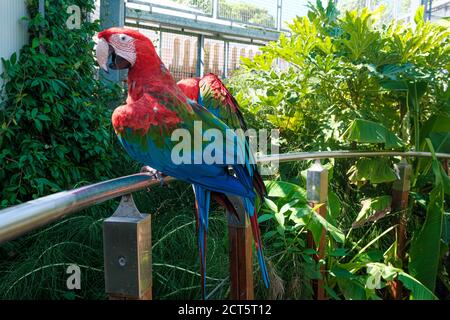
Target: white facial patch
[
  {"x": 102, "y": 52},
  {"x": 124, "y": 46}
]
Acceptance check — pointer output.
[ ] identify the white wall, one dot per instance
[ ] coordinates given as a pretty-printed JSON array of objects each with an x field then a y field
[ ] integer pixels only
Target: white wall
[{"x": 13, "y": 31}]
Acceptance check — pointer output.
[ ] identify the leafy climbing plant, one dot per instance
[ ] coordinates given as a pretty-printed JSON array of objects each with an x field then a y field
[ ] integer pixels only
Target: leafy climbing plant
[{"x": 55, "y": 130}]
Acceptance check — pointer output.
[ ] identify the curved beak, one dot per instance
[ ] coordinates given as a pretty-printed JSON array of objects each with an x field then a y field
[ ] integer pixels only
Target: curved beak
[
  {"x": 107, "y": 57},
  {"x": 103, "y": 51}
]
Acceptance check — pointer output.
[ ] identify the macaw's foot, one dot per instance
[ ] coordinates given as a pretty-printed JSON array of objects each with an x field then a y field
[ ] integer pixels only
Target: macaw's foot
[{"x": 156, "y": 175}]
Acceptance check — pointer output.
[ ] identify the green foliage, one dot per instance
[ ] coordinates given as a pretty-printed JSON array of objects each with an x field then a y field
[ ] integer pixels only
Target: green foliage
[
  {"x": 55, "y": 128},
  {"x": 358, "y": 278},
  {"x": 55, "y": 134},
  {"x": 247, "y": 13},
  {"x": 205, "y": 5},
  {"x": 373, "y": 209},
  {"x": 34, "y": 266},
  {"x": 348, "y": 73},
  {"x": 351, "y": 82},
  {"x": 425, "y": 247},
  {"x": 365, "y": 131},
  {"x": 373, "y": 170}
]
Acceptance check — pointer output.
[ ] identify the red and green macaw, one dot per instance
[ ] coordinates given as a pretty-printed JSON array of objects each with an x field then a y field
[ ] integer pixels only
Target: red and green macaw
[{"x": 155, "y": 107}]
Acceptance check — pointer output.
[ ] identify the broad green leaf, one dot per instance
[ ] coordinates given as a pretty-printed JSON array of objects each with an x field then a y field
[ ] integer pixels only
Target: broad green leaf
[
  {"x": 446, "y": 228},
  {"x": 366, "y": 131},
  {"x": 269, "y": 234},
  {"x": 335, "y": 232},
  {"x": 396, "y": 85},
  {"x": 333, "y": 207},
  {"x": 272, "y": 206},
  {"x": 339, "y": 252},
  {"x": 418, "y": 290},
  {"x": 288, "y": 206},
  {"x": 313, "y": 225},
  {"x": 374, "y": 170},
  {"x": 13, "y": 58},
  {"x": 342, "y": 273},
  {"x": 352, "y": 289},
  {"x": 281, "y": 189},
  {"x": 419, "y": 16},
  {"x": 265, "y": 217},
  {"x": 437, "y": 129},
  {"x": 35, "y": 43},
  {"x": 280, "y": 218},
  {"x": 373, "y": 209},
  {"x": 425, "y": 245},
  {"x": 299, "y": 213},
  {"x": 310, "y": 251},
  {"x": 331, "y": 292}
]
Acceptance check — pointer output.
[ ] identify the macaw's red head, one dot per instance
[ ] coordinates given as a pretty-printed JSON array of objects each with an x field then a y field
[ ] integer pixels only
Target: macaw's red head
[{"x": 122, "y": 48}]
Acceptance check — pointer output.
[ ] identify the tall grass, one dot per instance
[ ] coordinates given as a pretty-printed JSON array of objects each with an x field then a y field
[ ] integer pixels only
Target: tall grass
[{"x": 34, "y": 266}]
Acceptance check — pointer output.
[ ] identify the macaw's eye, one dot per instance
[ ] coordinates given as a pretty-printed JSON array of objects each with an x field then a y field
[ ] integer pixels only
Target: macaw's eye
[{"x": 124, "y": 38}]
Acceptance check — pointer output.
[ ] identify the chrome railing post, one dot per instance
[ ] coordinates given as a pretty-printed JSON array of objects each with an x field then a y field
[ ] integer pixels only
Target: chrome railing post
[
  {"x": 127, "y": 245},
  {"x": 317, "y": 194}
]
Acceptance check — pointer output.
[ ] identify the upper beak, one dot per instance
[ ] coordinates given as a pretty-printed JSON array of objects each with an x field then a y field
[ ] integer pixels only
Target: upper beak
[{"x": 102, "y": 52}]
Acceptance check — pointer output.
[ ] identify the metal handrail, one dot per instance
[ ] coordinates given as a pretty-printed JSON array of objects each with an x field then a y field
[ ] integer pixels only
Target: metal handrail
[
  {"x": 299, "y": 156},
  {"x": 20, "y": 219}
]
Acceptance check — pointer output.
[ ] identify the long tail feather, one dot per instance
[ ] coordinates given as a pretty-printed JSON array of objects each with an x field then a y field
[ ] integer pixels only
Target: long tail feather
[{"x": 203, "y": 199}]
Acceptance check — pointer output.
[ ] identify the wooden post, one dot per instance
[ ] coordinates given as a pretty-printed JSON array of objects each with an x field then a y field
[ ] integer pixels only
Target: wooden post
[
  {"x": 400, "y": 195},
  {"x": 127, "y": 245},
  {"x": 317, "y": 193},
  {"x": 445, "y": 166},
  {"x": 241, "y": 263}
]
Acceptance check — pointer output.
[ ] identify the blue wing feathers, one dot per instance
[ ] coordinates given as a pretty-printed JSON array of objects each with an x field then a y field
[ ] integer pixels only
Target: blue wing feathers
[{"x": 205, "y": 178}]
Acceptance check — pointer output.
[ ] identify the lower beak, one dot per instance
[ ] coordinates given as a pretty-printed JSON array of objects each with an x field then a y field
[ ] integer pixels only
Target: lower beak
[{"x": 118, "y": 63}]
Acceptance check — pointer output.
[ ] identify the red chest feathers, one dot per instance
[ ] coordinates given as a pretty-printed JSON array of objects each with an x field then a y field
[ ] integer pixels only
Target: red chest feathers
[{"x": 143, "y": 114}]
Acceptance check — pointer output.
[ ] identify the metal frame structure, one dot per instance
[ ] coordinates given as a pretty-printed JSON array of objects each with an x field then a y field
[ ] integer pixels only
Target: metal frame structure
[
  {"x": 428, "y": 4},
  {"x": 215, "y": 26},
  {"x": 194, "y": 26}
]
